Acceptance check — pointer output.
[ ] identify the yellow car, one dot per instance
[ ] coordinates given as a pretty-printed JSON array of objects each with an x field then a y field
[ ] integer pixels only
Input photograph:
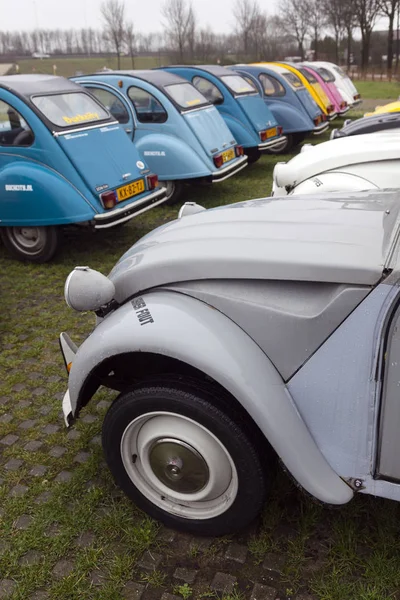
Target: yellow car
[
  {"x": 312, "y": 85},
  {"x": 391, "y": 107}
]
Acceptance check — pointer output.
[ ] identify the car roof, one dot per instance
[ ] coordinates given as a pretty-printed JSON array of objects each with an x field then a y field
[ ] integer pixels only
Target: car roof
[
  {"x": 32, "y": 84},
  {"x": 216, "y": 70},
  {"x": 157, "y": 77},
  {"x": 273, "y": 67}
]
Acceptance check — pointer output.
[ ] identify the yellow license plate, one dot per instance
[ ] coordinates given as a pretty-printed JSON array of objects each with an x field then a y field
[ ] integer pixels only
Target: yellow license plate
[
  {"x": 132, "y": 189},
  {"x": 272, "y": 132},
  {"x": 228, "y": 155}
]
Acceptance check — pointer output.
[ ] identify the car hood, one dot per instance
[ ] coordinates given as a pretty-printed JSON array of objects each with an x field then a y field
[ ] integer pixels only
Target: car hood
[
  {"x": 337, "y": 153},
  {"x": 337, "y": 237},
  {"x": 371, "y": 124}
]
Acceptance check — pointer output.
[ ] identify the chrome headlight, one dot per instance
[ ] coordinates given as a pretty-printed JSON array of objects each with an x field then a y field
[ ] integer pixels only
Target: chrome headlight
[{"x": 86, "y": 289}]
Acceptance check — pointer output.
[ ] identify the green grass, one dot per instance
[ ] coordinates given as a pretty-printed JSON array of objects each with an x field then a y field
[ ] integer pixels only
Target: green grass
[
  {"x": 379, "y": 90},
  {"x": 348, "y": 554}
]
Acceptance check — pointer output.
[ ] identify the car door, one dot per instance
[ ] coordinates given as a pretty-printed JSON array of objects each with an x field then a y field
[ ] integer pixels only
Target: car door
[{"x": 115, "y": 103}]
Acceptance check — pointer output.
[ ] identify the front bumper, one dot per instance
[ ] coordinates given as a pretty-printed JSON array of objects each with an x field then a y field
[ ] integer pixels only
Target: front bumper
[
  {"x": 229, "y": 170},
  {"x": 68, "y": 351},
  {"x": 133, "y": 209}
]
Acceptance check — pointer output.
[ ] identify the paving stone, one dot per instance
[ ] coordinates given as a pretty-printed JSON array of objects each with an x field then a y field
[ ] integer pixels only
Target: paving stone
[
  {"x": 150, "y": 561},
  {"x": 1, "y": 481},
  {"x": 13, "y": 464},
  {"x": 53, "y": 530},
  {"x": 263, "y": 592},
  {"x": 97, "y": 577},
  {"x": 200, "y": 544},
  {"x": 23, "y": 336},
  {"x": 23, "y": 404},
  {"x": 28, "y": 424},
  {"x": 9, "y": 439},
  {"x": 186, "y": 575},
  {"x": 34, "y": 376},
  {"x": 43, "y": 497},
  {"x": 274, "y": 562},
  {"x": 45, "y": 410},
  {"x": 57, "y": 451},
  {"x": 18, "y": 387},
  {"x": 4, "y": 400},
  {"x": 96, "y": 440},
  {"x": 40, "y": 595},
  {"x": 54, "y": 378},
  {"x": 40, "y": 391},
  {"x": 166, "y": 535},
  {"x": 32, "y": 557},
  {"x": 223, "y": 583},
  {"x": 63, "y": 477},
  {"x": 4, "y": 547},
  {"x": 23, "y": 522},
  {"x": 18, "y": 490},
  {"x": 133, "y": 591},
  {"x": 50, "y": 429},
  {"x": 236, "y": 552},
  {"x": 6, "y": 418},
  {"x": 307, "y": 597},
  {"x": 89, "y": 419},
  {"x": 59, "y": 396},
  {"x": 63, "y": 568},
  {"x": 33, "y": 446},
  {"x": 38, "y": 471},
  {"x": 85, "y": 539},
  {"x": 7, "y": 586},
  {"x": 103, "y": 404},
  {"x": 167, "y": 596},
  {"x": 82, "y": 457},
  {"x": 74, "y": 434}
]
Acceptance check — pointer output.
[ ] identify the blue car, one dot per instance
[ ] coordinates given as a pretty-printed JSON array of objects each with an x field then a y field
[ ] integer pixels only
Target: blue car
[
  {"x": 179, "y": 133},
  {"x": 63, "y": 160},
  {"x": 288, "y": 99},
  {"x": 247, "y": 116}
]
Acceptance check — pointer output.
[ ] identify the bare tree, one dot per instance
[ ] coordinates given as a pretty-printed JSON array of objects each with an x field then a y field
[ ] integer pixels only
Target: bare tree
[
  {"x": 295, "y": 20},
  {"x": 366, "y": 12},
  {"x": 246, "y": 13},
  {"x": 179, "y": 21},
  {"x": 389, "y": 8},
  {"x": 113, "y": 15},
  {"x": 130, "y": 40},
  {"x": 316, "y": 19}
]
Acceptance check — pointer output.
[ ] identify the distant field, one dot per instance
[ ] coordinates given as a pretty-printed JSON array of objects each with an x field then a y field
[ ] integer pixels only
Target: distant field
[
  {"x": 69, "y": 66},
  {"x": 380, "y": 90}
]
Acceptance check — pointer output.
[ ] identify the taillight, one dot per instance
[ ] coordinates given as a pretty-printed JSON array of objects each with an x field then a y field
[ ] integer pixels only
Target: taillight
[
  {"x": 109, "y": 199},
  {"x": 324, "y": 117},
  {"x": 218, "y": 160},
  {"x": 317, "y": 120},
  {"x": 280, "y": 130},
  {"x": 239, "y": 150},
  {"x": 263, "y": 135},
  {"x": 152, "y": 181},
  {"x": 331, "y": 108}
]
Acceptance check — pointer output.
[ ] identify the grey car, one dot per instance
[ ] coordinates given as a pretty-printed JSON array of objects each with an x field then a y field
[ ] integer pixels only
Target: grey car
[{"x": 237, "y": 337}]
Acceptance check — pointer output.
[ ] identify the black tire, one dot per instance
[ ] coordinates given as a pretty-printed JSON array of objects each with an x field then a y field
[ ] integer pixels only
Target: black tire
[
  {"x": 186, "y": 401},
  {"x": 253, "y": 155},
  {"x": 33, "y": 244},
  {"x": 174, "y": 191}
]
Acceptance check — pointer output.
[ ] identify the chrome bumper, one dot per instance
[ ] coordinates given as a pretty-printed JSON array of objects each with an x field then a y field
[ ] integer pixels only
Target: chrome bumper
[
  {"x": 229, "y": 170},
  {"x": 274, "y": 144},
  {"x": 321, "y": 128},
  {"x": 133, "y": 209}
]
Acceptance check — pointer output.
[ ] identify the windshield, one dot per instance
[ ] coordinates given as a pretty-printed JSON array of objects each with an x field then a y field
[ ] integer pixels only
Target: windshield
[
  {"x": 309, "y": 76},
  {"x": 326, "y": 75},
  {"x": 293, "y": 80},
  {"x": 238, "y": 84},
  {"x": 186, "y": 95},
  {"x": 66, "y": 110}
]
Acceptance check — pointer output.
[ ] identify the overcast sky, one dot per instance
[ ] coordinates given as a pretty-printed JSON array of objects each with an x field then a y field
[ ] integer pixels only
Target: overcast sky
[{"x": 28, "y": 14}]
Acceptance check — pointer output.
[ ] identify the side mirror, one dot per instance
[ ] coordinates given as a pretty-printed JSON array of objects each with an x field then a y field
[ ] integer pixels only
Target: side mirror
[{"x": 86, "y": 289}]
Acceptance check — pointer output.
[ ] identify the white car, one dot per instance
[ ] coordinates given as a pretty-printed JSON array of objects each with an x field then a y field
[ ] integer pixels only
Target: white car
[
  {"x": 355, "y": 163},
  {"x": 342, "y": 81}
]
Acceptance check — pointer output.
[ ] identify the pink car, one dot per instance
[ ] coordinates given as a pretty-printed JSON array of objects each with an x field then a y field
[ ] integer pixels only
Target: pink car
[{"x": 326, "y": 80}]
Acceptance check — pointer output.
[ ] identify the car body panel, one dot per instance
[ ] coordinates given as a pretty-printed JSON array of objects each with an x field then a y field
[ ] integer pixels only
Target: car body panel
[
  {"x": 391, "y": 107},
  {"x": 331, "y": 91},
  {"x": 249, "y": 116},
  {"x": 343, "y": 82},
  {"x": 315, "y": 90},
  {"x": 372, "y": 124}
]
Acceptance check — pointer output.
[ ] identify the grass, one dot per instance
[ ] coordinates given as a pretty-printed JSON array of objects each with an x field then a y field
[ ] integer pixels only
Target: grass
[
  {"x": 85, "y": 521},
  {"x": 379, "y": 90}
]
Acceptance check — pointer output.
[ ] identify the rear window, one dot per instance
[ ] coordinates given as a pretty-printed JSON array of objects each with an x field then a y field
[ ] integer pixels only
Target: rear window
[
  {"x": 271, "y": 86},
  {"x": 186, "y": 95},
  {"x": 238, "y": 84},
  {"x": 326, "y": 75},
  {"x": 293, "y": 80},
  {"x": 309, "y": 76},
  {"x": 340, "y": 71},
  {"x": 67, "y": 110}
]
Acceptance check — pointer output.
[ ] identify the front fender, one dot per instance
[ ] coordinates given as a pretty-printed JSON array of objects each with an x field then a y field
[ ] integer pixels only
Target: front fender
[
  {"x": 193, "y": 332},
  {"x": 333, "y": 182},
  {"x": 45, "y": 197}
]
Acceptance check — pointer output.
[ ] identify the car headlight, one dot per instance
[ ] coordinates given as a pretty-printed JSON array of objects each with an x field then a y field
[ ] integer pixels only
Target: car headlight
[{"x": 86, "y": 289}]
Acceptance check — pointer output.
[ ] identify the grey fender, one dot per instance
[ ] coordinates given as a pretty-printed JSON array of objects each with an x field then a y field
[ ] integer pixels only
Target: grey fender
[{"x": 184, "y": 328}]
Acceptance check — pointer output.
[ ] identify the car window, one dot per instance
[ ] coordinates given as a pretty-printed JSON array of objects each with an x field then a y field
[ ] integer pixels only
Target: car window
[
  {"x": 326, "y": 75},
  {"x": 186, "y": 95},
  {"x": 208, "y": 89},
  {"x": 113, "y": 104},
  {"x": 271, "y": 86},
  {"x": 148, "y": 108},
  {"x": 14, "y": 130},
  {"x": 308, "y": 75},
  {"x": 293, "y": 80},
  {"x": 70, "y": 109},
  {"x": 238, "y": 85}
]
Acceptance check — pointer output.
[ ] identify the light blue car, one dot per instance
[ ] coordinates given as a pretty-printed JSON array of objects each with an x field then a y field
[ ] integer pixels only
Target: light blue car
[
  {"x": 63, "y": 160},
  {"x": 177, "y": 131}
]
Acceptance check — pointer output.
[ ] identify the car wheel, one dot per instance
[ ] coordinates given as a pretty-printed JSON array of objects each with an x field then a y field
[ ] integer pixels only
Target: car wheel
[
  {"x": 174, "y": 191},
  {"x": 253, "y": 155},
  {"x": 184, "y": 460},
  {"x": 35, "y": 244}
]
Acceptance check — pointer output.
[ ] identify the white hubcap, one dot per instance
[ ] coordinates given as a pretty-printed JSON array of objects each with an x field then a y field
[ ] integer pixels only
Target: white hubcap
[{"x": 179, "y": 465}]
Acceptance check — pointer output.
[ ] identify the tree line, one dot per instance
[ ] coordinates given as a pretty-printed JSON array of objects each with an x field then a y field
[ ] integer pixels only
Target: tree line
[{"x": 256, "y": 35}]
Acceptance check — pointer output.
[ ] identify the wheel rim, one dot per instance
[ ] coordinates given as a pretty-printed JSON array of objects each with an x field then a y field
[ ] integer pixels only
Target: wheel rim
[
  {"x": 169, "y": 188},
  {"x": 179, "y": 465},
  {"x": 28, "y": 240}
]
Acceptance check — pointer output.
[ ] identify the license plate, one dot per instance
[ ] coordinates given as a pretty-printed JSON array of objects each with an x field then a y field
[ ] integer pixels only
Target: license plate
[
  {"x": 132, "y": 189},
  {"x": 228, "y": 155},
  {"x": 272, "y": 132}
]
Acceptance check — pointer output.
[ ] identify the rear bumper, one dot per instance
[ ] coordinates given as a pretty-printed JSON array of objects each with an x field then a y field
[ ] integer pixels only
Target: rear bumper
[
  {"x": 321, "y": 128},
  {"x": 332, "y": 116},
  {"x": 229, "y": 170},
  {"x": 127, "y": 212},
  {"x": 344, "y": 111},
  {"x": 356, "y": 102},
  {"x": 273, "y": 144}
]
